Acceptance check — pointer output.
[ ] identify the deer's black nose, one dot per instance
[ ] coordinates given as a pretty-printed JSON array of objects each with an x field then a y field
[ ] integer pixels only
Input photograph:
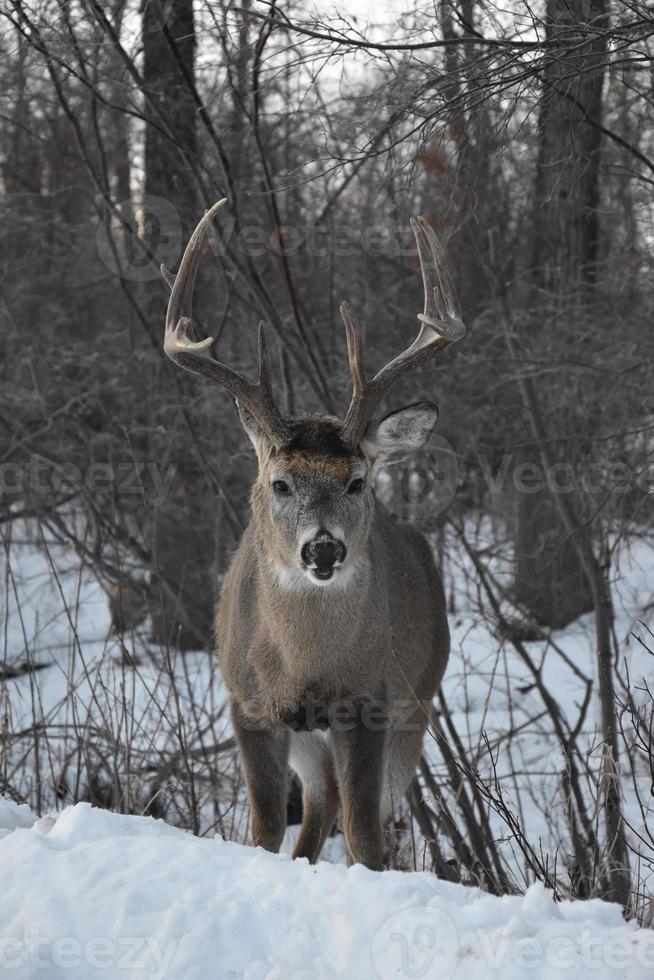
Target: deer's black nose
[{"x": 322, "y": 553}]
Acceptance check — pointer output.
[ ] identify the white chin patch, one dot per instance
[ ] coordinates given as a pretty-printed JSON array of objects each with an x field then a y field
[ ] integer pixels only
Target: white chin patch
[{"x": 302, "y": 578}]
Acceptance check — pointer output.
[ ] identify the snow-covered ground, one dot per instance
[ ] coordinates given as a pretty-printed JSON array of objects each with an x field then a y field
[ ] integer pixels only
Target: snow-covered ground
[
  {"x": 139, "y": 712},
  {"x": 80, "y": 891},
  {"x": 90, "y": 893},
  {"x": 491, "y": 692}
]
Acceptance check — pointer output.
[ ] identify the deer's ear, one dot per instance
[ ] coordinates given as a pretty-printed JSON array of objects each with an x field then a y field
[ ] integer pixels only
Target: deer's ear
[
  {"x": 400, "y": 433},
  {"x": 253, "y": 429}
]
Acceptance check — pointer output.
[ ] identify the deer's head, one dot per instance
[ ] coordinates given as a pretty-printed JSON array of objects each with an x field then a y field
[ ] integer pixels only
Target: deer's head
[{"x": 313, "y": 500}]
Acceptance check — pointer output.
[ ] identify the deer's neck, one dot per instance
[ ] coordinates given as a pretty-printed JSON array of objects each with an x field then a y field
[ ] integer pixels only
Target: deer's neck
[{"x": 318, "y": 628}]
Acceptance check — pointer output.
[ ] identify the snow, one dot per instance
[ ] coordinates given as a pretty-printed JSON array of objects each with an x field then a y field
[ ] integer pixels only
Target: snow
[
  {"x": 14, "y": 815},
  {"x": 55, "y": 614},
  {"x": 491, "y": 692},
  {"x": 89, "y": 893},
  {"x": 144, "y": 713}
]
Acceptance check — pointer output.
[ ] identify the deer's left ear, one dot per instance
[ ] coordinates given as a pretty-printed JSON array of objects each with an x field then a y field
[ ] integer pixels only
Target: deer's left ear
[
  {"x": 253, "y": 430},
  {"x": 400, "y": 433}
]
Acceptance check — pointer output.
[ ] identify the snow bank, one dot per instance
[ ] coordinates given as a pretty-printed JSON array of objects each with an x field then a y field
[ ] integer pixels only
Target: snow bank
[
  {"x": 96, "y": 894},
  {"x": 13, "y": 815}
]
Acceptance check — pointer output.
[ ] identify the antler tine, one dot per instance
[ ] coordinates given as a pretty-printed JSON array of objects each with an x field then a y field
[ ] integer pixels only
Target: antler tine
[
  {"x": 354, "y": 351},
  {"x": 183, "y": 283},
  {"x": 440, "y": 326},
  {"x": 441, "y": 306},
  {"x": 192, "y": 356},
  {"x": 167, "y": 276}
]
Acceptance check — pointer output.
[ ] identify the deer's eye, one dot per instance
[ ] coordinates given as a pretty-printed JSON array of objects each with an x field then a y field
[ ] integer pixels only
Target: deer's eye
[
  {"x": 281, "y": 487},
  {"x": 356, "y": 485}
]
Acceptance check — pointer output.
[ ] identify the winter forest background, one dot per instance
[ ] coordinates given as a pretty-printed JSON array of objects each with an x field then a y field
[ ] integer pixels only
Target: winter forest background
[{"x": 525, "y": 133}]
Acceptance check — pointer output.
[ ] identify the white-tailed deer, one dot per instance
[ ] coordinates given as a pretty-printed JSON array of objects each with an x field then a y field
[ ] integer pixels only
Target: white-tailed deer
[{"x": 331, "y": 630}]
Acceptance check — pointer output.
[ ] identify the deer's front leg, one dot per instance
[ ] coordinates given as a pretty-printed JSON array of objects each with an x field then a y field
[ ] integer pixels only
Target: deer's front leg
[
  {"x": 264, "y": 757},
  {"x": 359, "y": 746}
]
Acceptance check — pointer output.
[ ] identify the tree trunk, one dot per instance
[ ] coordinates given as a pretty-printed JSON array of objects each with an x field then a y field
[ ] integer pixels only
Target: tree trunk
[
  {"x": 615, "y": 874},
  {"x": 550, "y": 579},
  {"x": 168, "y": 62},
  {"x": 183, "y": 525},
  {"x": 558, "y": 573},
  {"x": 564, "y": 250}
]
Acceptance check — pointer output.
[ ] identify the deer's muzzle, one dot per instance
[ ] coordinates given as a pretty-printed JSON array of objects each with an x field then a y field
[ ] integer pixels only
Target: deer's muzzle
[{"x": 322, "y": 554}]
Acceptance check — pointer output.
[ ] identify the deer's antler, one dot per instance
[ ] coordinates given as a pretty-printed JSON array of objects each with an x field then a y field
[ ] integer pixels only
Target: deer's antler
[
  {"x": 192, "y": 356},
  {"x": 440, "y": 326}
]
